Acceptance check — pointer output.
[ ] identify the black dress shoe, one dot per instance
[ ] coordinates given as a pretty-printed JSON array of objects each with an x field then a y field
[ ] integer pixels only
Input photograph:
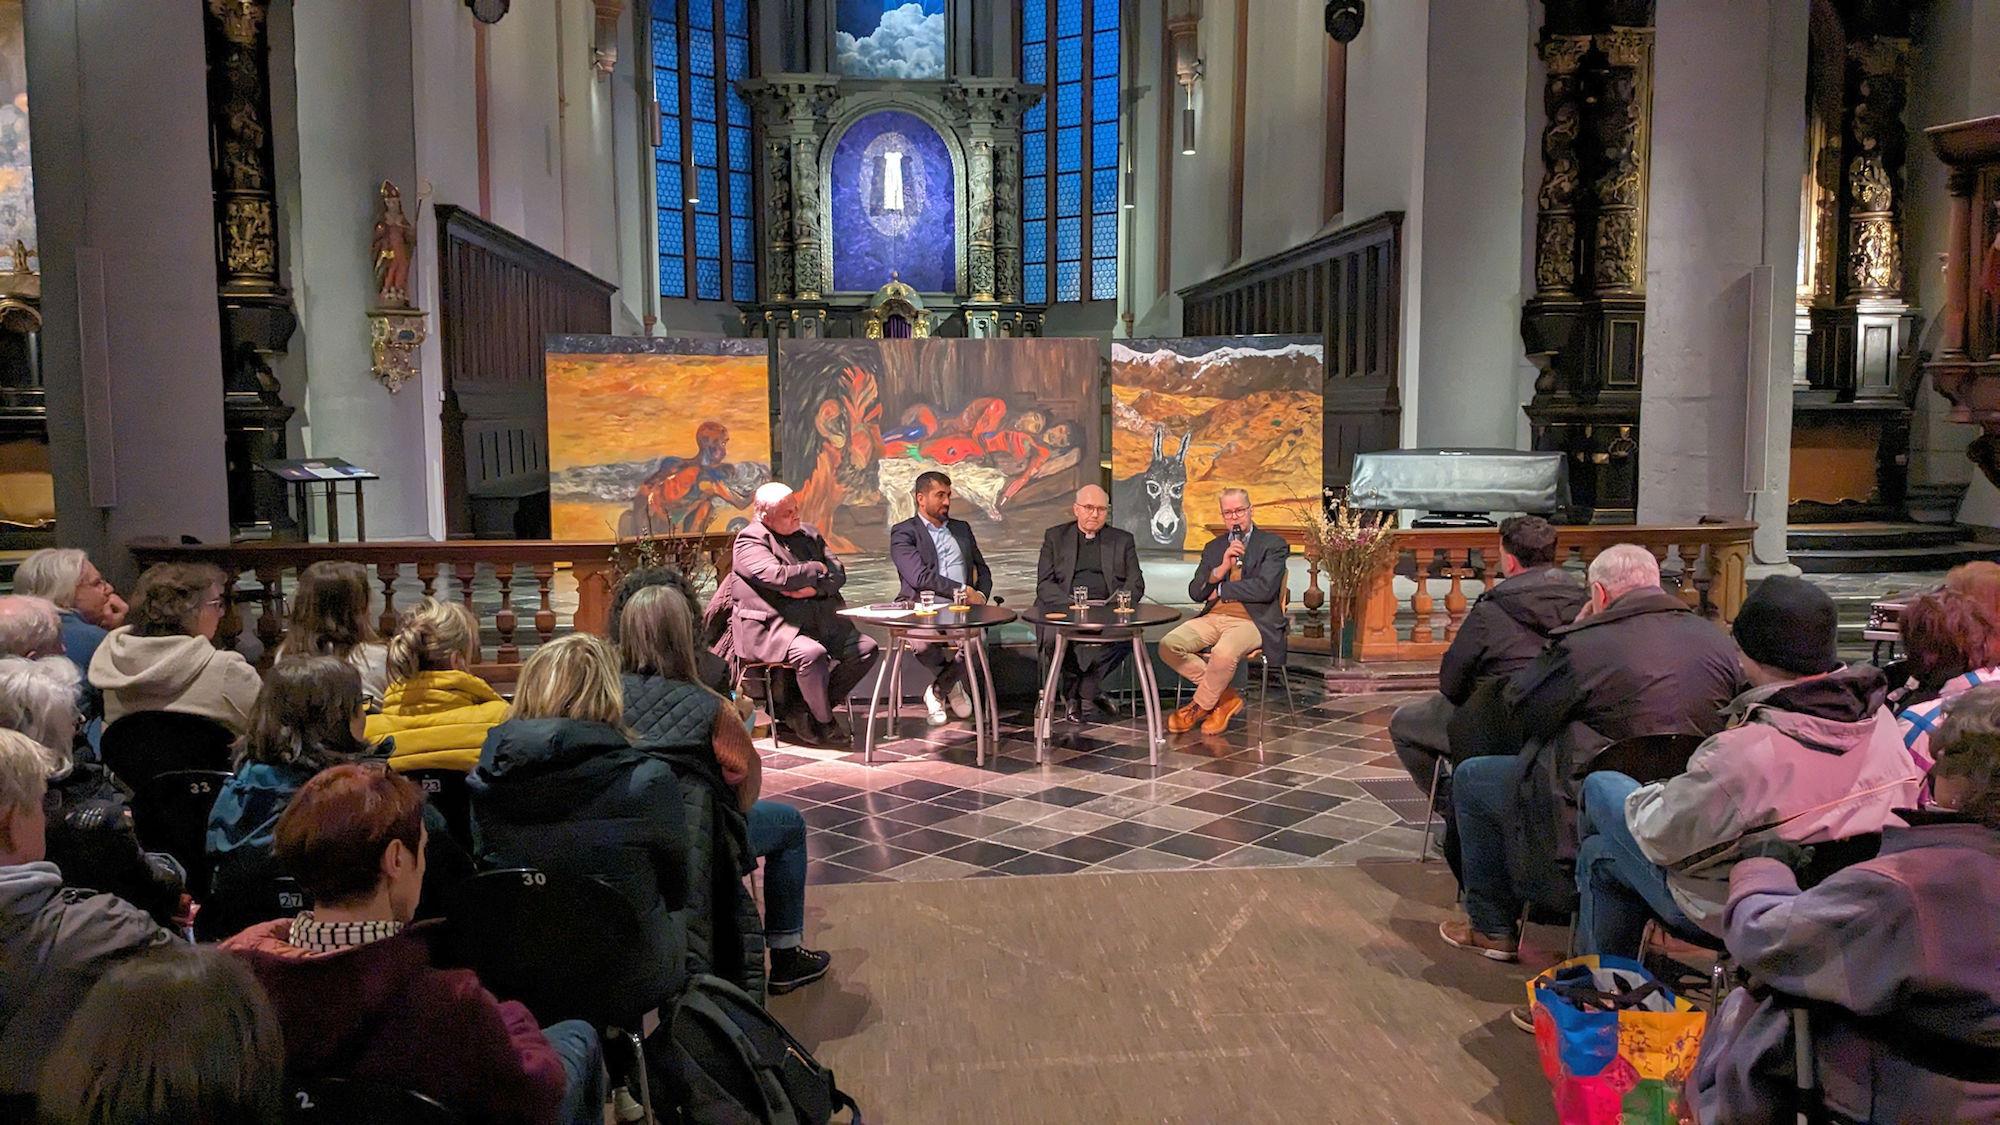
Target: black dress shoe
[{"x": 1101, "y": 707}]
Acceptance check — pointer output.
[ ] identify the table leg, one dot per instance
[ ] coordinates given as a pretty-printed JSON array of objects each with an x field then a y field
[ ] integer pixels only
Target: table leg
[
  {"x": 887, "y": 673},
  {"x": 992, "y": 697},
  {"x": 1045, "y": 707},
  {"x": 332, "y": 513},
  {"x": 968, "y": 655},
  {"x": 360, "y": 516},
  {"x": 891, "y": 727},
  {"x": 1149, "y": 687}
]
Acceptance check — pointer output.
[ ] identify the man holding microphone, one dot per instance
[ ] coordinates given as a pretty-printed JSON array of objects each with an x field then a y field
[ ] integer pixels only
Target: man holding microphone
[{"x": 1240, "y": 583}]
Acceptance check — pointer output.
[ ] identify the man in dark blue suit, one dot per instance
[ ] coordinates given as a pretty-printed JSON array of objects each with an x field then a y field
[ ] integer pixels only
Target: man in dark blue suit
[
  {"x": 934, "y": 552},
  {"x": 1239, "y": 585}
]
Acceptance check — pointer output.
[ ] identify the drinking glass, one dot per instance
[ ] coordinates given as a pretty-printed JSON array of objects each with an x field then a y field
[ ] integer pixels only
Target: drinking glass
[
  {"x": 1124, "y": 601},
  {"x": 926, "y": 602},
  {"x": 1079, "y": 597},
  {"x": 959, "y": 598}
]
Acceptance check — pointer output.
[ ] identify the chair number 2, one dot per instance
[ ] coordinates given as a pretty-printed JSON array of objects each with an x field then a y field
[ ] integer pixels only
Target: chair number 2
[
  {"x": 534, "y": 879},
  {"x": 305, "y": 1100}
]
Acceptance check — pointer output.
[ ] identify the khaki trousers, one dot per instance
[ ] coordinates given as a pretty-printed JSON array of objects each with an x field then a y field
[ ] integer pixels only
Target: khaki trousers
[{"x": 1225, "y": 638}]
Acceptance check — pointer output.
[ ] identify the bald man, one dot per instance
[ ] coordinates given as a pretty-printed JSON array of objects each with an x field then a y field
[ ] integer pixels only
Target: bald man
[{"x": 1085, "y": 552}]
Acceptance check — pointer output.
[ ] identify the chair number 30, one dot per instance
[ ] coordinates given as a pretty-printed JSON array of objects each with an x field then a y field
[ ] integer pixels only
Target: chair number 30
[{"x": 534, "y": 879}]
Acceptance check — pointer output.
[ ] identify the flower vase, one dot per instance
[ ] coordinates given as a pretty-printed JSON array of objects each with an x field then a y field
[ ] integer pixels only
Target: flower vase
[{"x": 1313, "y": 599}]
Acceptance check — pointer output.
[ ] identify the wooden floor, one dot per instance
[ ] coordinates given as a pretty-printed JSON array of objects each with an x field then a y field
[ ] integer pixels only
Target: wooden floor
[{"x": 1312, "y": 994}]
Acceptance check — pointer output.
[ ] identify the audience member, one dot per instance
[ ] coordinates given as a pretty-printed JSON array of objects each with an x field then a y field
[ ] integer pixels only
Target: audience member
[
  {"x": 308, "y": 717},
  {"x": 668, "y": 709},
  {"x": 1953, "y": 643},
  {"x": 1503, "y": 632},
  {"x": 1101, "y": 559},
  {"x": 1240, "y": 585},
  {"x": 1895, "y": 956},
  {"x": 330, "y": 618},
  {"x": 30, "y": 628},
  {"x": 933, "y": 552},
  {"x": 560, "y": 787},
  {"x": 90, "y": 608},
  {"x": 90, "y": 836},
  {"x": 163, "y": 658},
  {"x": 711, "y": 669},
  {"x": 353, "y": 982},
  {"x": 1978, "y": 580},
  {"x": 178, "y": 1034},
  {"x": 437, "y": 711},
  {"x": 1810, "y": 755},
  {"x": 1637, "y": 661},
  {"x": 55, "y": 941}
]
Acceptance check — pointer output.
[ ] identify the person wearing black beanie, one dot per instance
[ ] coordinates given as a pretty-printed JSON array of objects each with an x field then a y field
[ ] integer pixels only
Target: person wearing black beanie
[{"x": 1790, "y": 626}]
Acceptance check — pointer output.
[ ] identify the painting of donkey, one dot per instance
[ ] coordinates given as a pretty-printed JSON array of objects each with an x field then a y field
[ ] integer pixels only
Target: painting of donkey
[{"x": 1149, "y": 505}]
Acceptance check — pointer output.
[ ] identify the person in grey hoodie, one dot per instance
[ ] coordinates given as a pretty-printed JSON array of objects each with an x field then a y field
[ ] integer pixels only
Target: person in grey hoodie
[
  {"x": 1896, "y": 960},
  {"x": 163, "y": 658},
  {"x": 55, "y": 941},
  {"x": 1810, "y": 754}
]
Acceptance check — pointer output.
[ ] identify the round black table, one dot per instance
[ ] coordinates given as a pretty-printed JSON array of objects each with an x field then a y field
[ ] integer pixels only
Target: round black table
[
  {"x": 1098, "y": 623},
  {"x": 965, "y": 628}
]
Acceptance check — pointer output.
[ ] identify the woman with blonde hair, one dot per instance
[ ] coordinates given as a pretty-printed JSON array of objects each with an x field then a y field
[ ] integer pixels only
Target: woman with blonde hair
[
  {"x": 437, "y": 711},
  {"x": 560, "y": 787},
  {"x": 330, "y": 618}
]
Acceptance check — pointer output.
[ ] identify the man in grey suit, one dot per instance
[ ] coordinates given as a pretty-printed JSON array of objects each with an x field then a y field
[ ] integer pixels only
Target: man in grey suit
[
  {"x": 1103, "y": 560},
  {"x": 1239, "y": 584}
]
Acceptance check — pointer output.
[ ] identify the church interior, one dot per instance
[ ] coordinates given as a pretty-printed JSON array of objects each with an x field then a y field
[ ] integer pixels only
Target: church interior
[{"x": 1146, "y": 402}]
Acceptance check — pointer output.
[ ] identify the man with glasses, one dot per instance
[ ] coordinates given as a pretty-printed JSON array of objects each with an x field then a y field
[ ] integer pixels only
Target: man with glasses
[
  {"x": 1240, "y": 585},
  {"x": 1102, "y": 560}
]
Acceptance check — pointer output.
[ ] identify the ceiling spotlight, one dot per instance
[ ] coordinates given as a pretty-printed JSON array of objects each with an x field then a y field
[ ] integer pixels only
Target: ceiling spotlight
[{"x": 1343, "y": 19}]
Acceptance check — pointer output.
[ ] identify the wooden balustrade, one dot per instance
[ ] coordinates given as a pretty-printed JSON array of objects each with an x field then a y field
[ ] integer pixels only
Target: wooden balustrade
[
  {"x": 1703, "y": 563},
  {"x": 260, "y": 576}
]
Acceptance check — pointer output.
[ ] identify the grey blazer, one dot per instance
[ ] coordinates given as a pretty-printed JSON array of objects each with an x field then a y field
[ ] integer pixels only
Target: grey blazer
[{"x": 1261, "y": 589}]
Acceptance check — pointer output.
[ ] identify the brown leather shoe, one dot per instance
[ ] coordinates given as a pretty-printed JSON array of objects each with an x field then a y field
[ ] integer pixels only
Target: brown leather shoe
[
  {"x": 1459, "y": 932},
  {"x": 1184, "y": 719},
  {"x": 1225, "y": 710}
]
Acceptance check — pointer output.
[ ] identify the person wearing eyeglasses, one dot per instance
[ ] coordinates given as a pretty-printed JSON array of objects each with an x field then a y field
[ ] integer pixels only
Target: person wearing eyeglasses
[
  {"x": 1103, "y": 560},
  {"x": 1239, "y": 584},
  {"x": 164, "y": 658}
]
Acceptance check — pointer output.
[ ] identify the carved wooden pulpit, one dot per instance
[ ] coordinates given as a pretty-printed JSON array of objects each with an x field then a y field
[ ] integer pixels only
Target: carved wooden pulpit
[{"x": 1967, "y": 367}]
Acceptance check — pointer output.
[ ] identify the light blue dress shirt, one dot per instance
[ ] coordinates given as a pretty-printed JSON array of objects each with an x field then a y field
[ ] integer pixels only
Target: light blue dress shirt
[{"x": 951, "y": 561}]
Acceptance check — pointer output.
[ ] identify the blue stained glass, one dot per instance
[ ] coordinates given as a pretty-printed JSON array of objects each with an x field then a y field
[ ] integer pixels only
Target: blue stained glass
[
  {"x": 1036, "y": 119},
  {"x": 736, "y": 16},
  {"x": 1069, "y": 60},
  {"x": 701, "y": 98},
  {"x": 1104, "y": 236},
  {"x": 736, "y": 57},
  {"x": 709, "y": 188},
  {"x": 1069, "y": 194},
  {"x": 1069, "y": 104},
  {"x": 1104, "y": 15},
  {"x": 673, "y": 276},
  {"x": 1067, "y": 277},
  {"x": 1069, "y": 239},
  {"x": 1034, "y": 64},
  {"x": 739, "y": 110},
  {"x": 1034, "y": 197},
  {"x": 1104, "y": 282},
  {"x": 739, "y": 150},
  {"x": 1069, "y": 150},
  {"x": 1104, "y": 54},
  {"x": 704, "y": 144},
  {"x": 701, "y": 54},
  {"x": 1104, "y": 145},
  {"x": 740, "y": 195},
  {"x": 670, "y": 136},
  {"x": 1104, "y": 190},
  {"x": 741, "y": 245},
  {"x": 1036, "y": 284},
  {"x": 666, "y": 46},
  {"x": 1034, "y": 21},
  {"x": 707, "y": 279},
  {"x": 1069, "y": 17},
  {"x": 1104, "y": 99},
  {"x": 742, "y": 284},
  {"x": 1034, "y": 154},
  {"x": 673, "y": 232},
  {"x": 701, "y": 14},
  {"x": 670, "y": 190},
  {"x": 668, "y": 90},
  {"x": 1034, "y": 243},
  {"x": 707, "y": 236}
]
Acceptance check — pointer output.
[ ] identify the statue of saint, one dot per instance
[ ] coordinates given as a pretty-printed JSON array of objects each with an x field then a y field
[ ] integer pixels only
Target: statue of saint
[
  {"x": 394, "y": 240},
  {"x": 892, "y": 181}
]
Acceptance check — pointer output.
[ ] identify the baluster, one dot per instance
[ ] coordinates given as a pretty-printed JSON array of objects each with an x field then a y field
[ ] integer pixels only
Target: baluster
[
  {"x": 1375, "y": 636},
  {"x": 1421, "y": 601},
  {"x": 1704, "y": 578},
  {"x": 270, "y": 611},
  {"x": 545, "y": 617},
  {"x": 231, "y": 628},
  {"x": 427, "y": 573},
  {"x": 1458, "y": 564},
  {"x": 465, "y": 573},
  {"x": 385, "y": 573},
  {"x": 593, "y": 596},
  {"x": 503, "y": 621}
]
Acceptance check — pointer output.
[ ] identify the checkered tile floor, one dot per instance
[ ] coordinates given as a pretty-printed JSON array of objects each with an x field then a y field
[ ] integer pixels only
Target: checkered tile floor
[{"x": 1326, "y": 790}]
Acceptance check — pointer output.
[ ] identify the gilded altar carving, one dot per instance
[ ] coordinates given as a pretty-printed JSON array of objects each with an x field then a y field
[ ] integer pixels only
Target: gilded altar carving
[
  {"x": 1878, "y": 75},
  {"x": 778, "y": 218},
  {"x": 1555, "y": 252},
  {"x": 242, "y": 21},
  {"x": 249, "y": 237},
  {"x": 1562, "y": 172},
  {"x": 245, "y": 172},
  {"x": 1619, "y": 251},
  {"x": 1875, "y": 262},
  {"x": 1617, "y": 135}
]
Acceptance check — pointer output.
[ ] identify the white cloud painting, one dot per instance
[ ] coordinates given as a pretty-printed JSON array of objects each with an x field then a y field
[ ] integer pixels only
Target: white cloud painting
[{"x": 906, "y": 42}]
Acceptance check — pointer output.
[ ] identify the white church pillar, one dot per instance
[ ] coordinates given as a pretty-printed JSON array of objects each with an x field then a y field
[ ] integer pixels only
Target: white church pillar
[{"x": 1721, "y": 247}]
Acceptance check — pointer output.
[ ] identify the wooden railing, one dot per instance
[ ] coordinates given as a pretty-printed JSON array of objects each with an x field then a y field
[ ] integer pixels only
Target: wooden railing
[
  {"x": 1703, "y": 563},
  {"x": 528, "y": 591}
]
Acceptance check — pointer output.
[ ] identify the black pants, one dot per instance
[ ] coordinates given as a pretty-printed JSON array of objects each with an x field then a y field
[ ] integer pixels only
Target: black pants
[
  {"x": 1085, "y": 666},
  {"x": 1418, "y": 732}
]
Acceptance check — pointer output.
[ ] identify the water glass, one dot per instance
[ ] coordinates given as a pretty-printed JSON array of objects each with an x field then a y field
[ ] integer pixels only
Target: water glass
[
  {"x": 960, "y": 599},
  {"x": 926, "y": 602},
  {"x": 1079, "y": 597},
  {"x": 1124, "y": 598}
]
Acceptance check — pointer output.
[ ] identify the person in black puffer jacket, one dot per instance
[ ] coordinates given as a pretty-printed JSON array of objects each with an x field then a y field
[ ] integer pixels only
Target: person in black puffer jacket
[
  {"x": 720, "y": 774},
  {"x": 560, "y": 787},
  {"x": 90, "y": 832}
]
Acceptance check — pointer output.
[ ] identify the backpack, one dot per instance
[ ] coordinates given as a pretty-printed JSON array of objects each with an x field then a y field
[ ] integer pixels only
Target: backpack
[{"x": 736, "y": 1065}]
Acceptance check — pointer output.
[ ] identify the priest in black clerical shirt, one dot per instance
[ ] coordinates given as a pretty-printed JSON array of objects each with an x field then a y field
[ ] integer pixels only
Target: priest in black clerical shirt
[{"x": 1085, "y": 552}]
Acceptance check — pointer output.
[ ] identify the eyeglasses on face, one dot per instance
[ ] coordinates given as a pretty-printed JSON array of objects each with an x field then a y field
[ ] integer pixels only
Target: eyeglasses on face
[
  {"x": 1098, "y": 508},
  {"x": 1235, "y": 511}
]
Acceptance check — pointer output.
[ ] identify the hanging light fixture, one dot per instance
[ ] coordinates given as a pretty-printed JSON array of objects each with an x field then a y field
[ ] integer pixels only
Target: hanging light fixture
[
  {"x": 1187, "y": 123},
  {"x": 690, "y": 187},
  {"x": 1181, "y": 28}
]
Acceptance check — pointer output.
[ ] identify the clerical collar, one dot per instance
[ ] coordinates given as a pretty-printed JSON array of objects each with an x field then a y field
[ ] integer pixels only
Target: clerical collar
[{"x": 1090, "y": 535}]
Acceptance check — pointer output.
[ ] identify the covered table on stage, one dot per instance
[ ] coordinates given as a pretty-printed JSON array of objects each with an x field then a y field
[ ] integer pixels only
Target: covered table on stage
[
  {"x": 1097, "y": 623},
  {"x": 963, "y": 627}
]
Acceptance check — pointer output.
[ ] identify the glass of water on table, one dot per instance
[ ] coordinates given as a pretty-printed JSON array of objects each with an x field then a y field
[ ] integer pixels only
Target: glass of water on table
[
  {"x": 1079, "y": 598},
  {"x": 1123, "y": 598}
]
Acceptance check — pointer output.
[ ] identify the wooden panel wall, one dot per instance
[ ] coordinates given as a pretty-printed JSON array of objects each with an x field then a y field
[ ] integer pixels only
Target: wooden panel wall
[
  {"x": 499, "y": 299},
  {"x": 1346, "y": 285}
]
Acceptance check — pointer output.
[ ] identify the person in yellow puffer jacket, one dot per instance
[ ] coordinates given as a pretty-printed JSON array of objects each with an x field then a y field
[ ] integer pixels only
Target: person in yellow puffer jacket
[{"x": 437, "y": 712}]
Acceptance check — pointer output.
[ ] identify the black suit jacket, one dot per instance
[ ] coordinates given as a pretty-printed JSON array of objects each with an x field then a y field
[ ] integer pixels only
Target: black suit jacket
[
  {"x": 916, "y": 560},
  {"x": 1261, "y": 589},
  {"x": 1055, "y": 572}
]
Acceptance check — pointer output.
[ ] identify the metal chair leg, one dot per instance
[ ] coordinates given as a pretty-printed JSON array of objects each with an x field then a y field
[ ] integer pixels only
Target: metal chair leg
[
  {"x": 1430, "y": 811},
  {"x": 770, "y": 700},
  {"x": 639, "y": 1067},
  {"x": 1263, "y": 703}
]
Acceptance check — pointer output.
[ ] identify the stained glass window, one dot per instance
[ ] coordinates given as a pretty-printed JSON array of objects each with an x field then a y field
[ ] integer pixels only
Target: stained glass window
[
  {"x": 702, "y": 171},
  {"x": 1069, "y": 167}
]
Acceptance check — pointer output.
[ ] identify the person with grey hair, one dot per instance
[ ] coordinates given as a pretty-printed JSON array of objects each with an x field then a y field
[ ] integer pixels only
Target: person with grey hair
[
  {"x": 1636, "y": 661},
  {"x": 1240, "y": 586},
  {"x": 782, "y": 600},
  {"x": 29, "y": 627},
  {"x": 90, "y": 829},
  {"x": 88, "y": 605},
  {"x": 55, "y": 940}
]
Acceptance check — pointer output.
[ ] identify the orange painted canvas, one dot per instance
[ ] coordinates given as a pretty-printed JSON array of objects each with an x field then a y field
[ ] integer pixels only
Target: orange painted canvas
[{"x": 652, "y": 436}]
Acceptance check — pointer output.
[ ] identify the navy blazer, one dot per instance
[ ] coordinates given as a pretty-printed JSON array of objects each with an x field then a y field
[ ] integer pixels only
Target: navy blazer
[
  {"x": 1261, "y": 589},
  {"x": 915, "y": 556}
]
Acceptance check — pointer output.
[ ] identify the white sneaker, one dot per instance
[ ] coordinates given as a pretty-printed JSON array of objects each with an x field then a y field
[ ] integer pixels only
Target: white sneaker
[
  {"x": 935, "y": 708},
  {"x": 961, "y": 703},
  {"x": 624, "y": 1107}
]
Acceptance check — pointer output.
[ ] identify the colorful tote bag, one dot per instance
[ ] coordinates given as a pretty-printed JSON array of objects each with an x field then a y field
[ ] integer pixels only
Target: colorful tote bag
[{"x": 1617, "y": 1047}]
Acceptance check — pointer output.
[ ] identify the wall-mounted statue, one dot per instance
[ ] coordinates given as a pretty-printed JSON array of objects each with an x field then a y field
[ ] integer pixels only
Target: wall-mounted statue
[{"x": 394, "y": 242}]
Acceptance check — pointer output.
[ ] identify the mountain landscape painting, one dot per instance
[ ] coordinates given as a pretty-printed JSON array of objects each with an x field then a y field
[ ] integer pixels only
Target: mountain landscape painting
[{"x": 1191, "y": 417}]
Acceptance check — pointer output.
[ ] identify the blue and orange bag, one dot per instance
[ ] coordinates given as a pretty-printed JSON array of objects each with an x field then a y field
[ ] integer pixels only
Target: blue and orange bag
[{"x": 1616, "y": 1045}]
